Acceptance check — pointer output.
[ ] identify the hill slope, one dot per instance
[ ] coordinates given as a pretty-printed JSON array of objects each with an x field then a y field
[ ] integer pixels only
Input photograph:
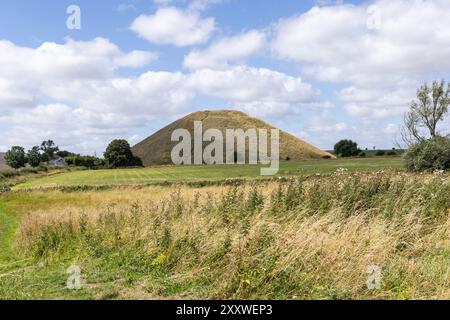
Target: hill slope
[
  {"x": 2, "y": 161},
  {"x": 156, "y": 149}
]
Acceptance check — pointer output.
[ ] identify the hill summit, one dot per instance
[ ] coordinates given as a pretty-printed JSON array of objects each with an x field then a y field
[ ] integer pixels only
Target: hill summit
[{"x": 156, "y": 149}]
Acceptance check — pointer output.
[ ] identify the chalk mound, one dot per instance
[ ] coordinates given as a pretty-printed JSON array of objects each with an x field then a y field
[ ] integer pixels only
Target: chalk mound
[{"x": 156, "y": 149}]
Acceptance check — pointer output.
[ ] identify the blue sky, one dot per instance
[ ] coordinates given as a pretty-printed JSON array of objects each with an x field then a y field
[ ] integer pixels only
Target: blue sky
[{"x": 322, "y": 70}]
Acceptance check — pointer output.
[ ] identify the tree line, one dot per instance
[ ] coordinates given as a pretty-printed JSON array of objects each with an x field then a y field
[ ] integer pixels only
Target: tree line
[{"x": 118, "y": 154}]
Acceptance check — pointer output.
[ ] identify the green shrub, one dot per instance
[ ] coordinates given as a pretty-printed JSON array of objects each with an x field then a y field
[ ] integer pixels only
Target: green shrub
[
  {"x": 346, "y": 148},
  {"x": 391, "y": 153},
  {"x": 85, "y": 161},
  {"x": 432, "y": 154},
  {"x": 4, "y": 187},
  {"x": 9, "y": 173},
  {"x": 380, "y": 153},
  {"x": 29, "y": 170},
  {"x": 362, "y": 155}
]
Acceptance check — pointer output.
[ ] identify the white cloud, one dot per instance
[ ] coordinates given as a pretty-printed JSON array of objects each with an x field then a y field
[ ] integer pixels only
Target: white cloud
[
  {"x": 411, "y": 44},
  {"x": 170, "y": 25},
  {"x": 67, "y": 90},
  {"x": 246, "y": 84},
  {"x": 227, "y": 50},
  {"x": 28, "y": 75},
  {"x": 72, "y": 91}
]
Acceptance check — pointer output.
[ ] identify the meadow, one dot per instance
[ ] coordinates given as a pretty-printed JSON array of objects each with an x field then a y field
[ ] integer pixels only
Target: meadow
[
  {"x": 204, "y": 173},
  {"x": 303, "y": 236}
]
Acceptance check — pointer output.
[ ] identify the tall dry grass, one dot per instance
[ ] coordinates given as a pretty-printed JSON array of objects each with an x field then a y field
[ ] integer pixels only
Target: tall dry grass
[{"x": 299, "y": 239}]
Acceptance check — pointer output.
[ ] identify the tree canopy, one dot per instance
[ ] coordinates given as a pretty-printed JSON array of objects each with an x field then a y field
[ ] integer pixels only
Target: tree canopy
[
  {"x": 346, "y": 148},
  {"x": 424, "y": 115},
  {"x": 15, "y": 158},
  {"x": 34, "y": 156},
  {"x": 118, "y": 155}
]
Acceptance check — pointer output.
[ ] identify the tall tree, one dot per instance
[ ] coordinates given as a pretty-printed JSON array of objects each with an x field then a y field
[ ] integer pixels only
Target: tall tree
[
  {"x": 49, "y": 148},
  {"x": 118, "y": 154},
  {"x": 346, "y": 148},
  {"x": 424, "y": 115},
  {"x": 15, "y": 158},
  {"x": 34, "y": 156}
]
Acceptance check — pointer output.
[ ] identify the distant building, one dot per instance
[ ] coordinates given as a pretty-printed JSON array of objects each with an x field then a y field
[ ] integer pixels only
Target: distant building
[{"x": 58, "y": 162}]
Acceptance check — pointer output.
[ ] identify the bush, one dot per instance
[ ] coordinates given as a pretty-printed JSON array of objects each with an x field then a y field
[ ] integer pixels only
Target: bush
[
  {"x": 85, "y": 161},
  {"x": 16, "y": 158},
  {"x": 362, "y": 155},
  {"x": 118, "y": 155},
  {"x": 432, "y": 154},
  {"x": 346, "y": 148},
  {"x": 29, "y": 170},
  {"x": 8, "y": 173},
  {"x": 380, "y": 153},
  {"x": 391, "y": 153}
]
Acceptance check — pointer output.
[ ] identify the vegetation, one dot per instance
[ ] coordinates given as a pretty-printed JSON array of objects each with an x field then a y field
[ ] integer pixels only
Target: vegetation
[
  {"x": 428, "y": 149},
  {"x": 306, "y": 238},
  {"x": 200, "y": 174},
  {"x": 118, "y": 155},
  {"x": 34, "y": 157},
  {"x": 85, "y": 161},
  {"x": 49, "y": 149},
  {"x": 346, "y": 148},
  {"x": 432, "y": 154},
  {"x": 425, "y": 113},
  {"x": 16, "y": 158}
]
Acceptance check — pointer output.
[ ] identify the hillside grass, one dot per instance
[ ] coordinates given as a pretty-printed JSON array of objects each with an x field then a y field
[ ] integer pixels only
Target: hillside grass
[
  {"x": 204, "y": 173},
  {"x": 301, "y": 238}
]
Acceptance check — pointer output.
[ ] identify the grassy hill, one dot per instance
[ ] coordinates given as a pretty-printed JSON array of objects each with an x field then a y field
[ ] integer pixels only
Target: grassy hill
[{"x": 156, "y": 149}]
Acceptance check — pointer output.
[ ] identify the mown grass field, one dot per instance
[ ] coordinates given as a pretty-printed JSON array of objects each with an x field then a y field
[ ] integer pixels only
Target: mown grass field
[
  {"x": 304, "y": 237},
  {"x": 205, "y": 173}
]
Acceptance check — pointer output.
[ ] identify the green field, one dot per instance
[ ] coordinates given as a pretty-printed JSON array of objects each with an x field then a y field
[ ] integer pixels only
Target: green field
[
  {"x": 269, "y": 239},
  {"x": 201, "y": 173}
]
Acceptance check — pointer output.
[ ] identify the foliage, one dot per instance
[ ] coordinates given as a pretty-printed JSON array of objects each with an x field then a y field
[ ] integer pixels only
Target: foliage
[
  {"x": 49, "y": 148},
  {"x": 422, "y": 120},
  {"x": 432, "y": 154},
  {"x": 85, "y": 161},
  {"x": 256, "y": 241},
  {"x": 15, "y": 158},
  {"x": 118, "y": 155},
  {"x": 34, "y": 157},
  {"x": 346, "y": 148},
  {"x": 380, "y": 153},
  {"x": 65, "y": 154},
  {"x": 8, "y": 173}
]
